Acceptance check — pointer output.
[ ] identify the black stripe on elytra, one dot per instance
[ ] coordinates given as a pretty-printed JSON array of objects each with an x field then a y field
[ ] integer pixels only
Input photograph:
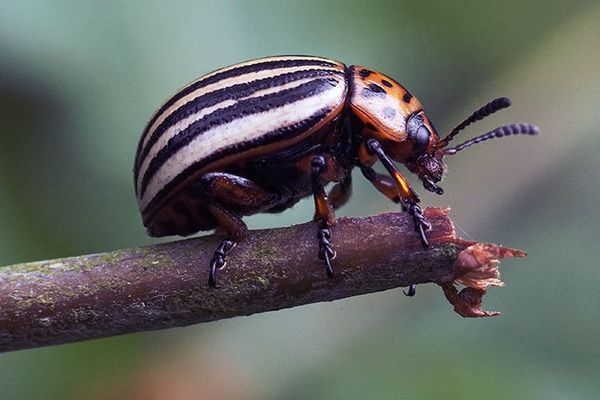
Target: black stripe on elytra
[
  {"x": 268, "y": 138},
  {"x": 233, "y": 72},
  {"x": 233, "y": 92},
  {"x": 224, "y": 115},
  {"x": 407, "y": 96}
]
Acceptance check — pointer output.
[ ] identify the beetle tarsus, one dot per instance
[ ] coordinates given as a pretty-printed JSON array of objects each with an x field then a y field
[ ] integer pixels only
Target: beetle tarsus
[
  {"x": 218, "y": 261},
  {"x": 412, "y": 290},
  {"x": 326, "y": 251},
  {"x": 421, "y": 223}
]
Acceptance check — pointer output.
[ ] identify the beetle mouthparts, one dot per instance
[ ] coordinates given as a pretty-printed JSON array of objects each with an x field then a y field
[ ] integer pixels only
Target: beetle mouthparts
[{"x": 430, "y": 185}]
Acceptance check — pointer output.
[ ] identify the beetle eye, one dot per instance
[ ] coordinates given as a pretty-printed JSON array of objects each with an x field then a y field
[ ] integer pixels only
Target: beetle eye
[{"x": 422, "y": 138}]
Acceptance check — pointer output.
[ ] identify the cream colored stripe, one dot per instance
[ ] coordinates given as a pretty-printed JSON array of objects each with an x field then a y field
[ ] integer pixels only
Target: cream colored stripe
[
  {"x": 246, "y": 78},
  {"x": 262, "y": 60},
  {"x": 240, "y": 130},
  {"x": 184, "y": 123}
]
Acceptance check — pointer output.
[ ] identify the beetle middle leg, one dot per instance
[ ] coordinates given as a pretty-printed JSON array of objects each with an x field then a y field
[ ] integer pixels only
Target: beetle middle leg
[
  {"x": 323, "y": 212},
  {"x": 227, "y": 196}
]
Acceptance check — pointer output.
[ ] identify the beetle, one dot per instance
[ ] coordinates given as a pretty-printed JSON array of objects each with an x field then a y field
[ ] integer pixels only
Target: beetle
[{"x": 261, "y": 135}]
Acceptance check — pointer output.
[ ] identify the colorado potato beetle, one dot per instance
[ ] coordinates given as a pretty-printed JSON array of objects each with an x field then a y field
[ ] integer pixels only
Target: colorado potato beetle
[{"x": 260, "y": 135}]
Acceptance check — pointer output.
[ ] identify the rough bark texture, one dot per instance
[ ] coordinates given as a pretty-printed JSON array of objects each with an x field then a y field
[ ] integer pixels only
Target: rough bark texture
[{"x": 162, "y": 286}]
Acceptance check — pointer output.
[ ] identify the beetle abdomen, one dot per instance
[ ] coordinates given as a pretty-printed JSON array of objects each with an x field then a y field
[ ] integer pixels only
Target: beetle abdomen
[{"x": 242, "y": 111}]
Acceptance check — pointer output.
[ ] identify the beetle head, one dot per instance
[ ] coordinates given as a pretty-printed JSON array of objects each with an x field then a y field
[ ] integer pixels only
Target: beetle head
[{"x": 425, "y": 159}]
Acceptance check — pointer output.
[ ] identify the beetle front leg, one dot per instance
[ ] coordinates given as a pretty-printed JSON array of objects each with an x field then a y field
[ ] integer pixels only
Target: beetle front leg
[
  {"x": 323, "y": 213},
  {"x": 407, "y": 195}
]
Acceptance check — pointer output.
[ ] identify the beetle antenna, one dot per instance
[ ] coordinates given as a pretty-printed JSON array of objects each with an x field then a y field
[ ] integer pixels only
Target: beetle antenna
[
  {"x": 490, "y": 108},
  {"x": 506, "y": 130}
]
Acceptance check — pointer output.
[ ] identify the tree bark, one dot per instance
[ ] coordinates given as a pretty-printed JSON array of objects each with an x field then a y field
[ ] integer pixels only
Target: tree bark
[{"x": 162, "y": 286}]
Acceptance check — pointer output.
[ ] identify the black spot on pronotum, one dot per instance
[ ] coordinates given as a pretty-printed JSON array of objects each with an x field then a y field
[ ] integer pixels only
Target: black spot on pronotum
[
  {"x": 363, "y": 73},
  {"x": 386, "y": 83},
  {"x": 376, "y": 88},
  {"x": 406, "y": 98}
]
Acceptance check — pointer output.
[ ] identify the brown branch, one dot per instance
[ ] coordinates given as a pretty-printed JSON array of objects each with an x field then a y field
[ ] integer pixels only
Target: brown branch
[{"x": 162, "y": 286}]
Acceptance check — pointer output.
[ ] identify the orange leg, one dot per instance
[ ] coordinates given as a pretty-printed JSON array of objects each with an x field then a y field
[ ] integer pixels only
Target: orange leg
[
  {"x": 407, "y": 194},
  {"x": 382, "y": 183},
  {"x": 369, "y": 152}
]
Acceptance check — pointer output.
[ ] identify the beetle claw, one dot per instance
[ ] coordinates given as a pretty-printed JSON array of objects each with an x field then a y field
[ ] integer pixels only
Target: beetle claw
[
  {"x": 412, "y": 290},
  {"x": 328, "y": 267},
  {"x": 326, "y": 251},
  {"x": 422, "y": 235},
  {"x": 421, "y": 223},
  {"x": 218, "y": 261}
]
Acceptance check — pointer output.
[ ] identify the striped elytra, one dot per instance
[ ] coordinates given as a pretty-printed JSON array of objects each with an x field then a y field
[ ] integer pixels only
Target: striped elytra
[
  {"x": 230, "y": 112},
  {"x": 260, "y": 135}
]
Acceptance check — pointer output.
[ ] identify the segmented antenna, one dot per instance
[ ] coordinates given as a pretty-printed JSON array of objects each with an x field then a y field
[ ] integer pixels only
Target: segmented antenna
[
  {"x": 507, "y": 130},
  {"x": 490, "y": 108}
]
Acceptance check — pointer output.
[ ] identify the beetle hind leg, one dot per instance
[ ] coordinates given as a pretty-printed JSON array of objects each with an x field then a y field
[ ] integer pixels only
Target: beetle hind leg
[
  {"x": 235, "y": 229},
  {"x": 227, "y": 197}
]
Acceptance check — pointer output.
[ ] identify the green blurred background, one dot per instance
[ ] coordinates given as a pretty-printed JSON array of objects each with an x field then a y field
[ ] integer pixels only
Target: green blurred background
[{"x": 78, "y": 81}]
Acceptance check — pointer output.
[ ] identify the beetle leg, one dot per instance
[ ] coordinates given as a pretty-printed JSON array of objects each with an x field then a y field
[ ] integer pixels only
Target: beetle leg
[
  {"x": 218, "y": 260},
  {"x": 421, "y": 223},
  {"x": 341, "y": 192},
  {"x": 235, "y": 229},
  {"x": 323, "y": 213},
  {"x": 408, "y": 196},
  {"x": 384, "y": 184},
  {"x": 225, "y": 193},
  {"x": 412, "y": 290}
]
